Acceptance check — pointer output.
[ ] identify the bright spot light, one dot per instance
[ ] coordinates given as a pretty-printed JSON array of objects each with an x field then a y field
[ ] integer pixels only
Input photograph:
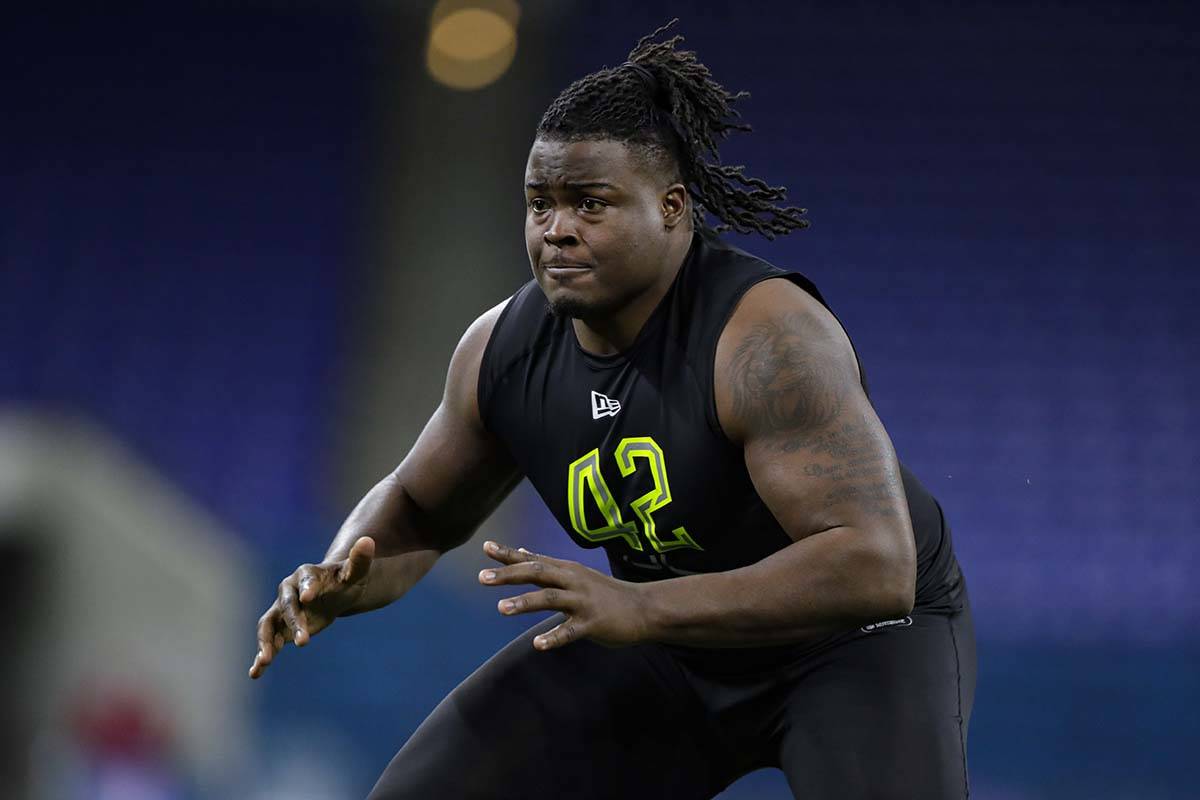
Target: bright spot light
[{"x": 472, "y": 42}]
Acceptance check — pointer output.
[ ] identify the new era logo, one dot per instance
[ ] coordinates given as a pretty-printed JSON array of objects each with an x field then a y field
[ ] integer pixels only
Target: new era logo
[{"x": 604, "y": 406}]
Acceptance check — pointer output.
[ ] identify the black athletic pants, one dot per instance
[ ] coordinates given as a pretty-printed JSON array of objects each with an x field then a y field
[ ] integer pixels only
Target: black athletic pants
[{"x": 877, "y": 714}]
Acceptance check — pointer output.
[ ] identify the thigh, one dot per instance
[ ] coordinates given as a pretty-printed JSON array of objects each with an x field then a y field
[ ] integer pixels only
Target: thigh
[
  {"x": 582, "y": 721},
  {"x": 885, "y": 715}
]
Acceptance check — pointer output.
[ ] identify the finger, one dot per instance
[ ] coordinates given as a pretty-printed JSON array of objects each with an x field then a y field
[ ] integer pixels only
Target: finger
[
  {"x": 358, "y": 561},
  {"x": 269, "y": 642},
  {"x": 505, "y": 554},
  {"x": 312, "y": 582},
  {"x": 539, "y": 573},
  {"x": 569, "y": 630},
  {"x": 544, "y": 600},
  {"x": 508, "y": 555},
  {"x": 293, "y": 616},
  {"x": 266, "y": 634},
  {"x": 258, "y": 667}
]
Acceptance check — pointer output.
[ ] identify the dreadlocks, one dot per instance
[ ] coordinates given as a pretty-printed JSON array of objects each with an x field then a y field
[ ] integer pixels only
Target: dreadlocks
[{"x": 666, "y": 101}]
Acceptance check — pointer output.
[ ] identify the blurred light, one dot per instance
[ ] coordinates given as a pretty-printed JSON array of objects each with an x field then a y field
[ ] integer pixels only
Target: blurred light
[{"x": 471, "y": 42}]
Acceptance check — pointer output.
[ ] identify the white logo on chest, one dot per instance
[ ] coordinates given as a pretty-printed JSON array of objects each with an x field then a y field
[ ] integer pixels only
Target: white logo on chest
[{"x": 604, "y": 406}]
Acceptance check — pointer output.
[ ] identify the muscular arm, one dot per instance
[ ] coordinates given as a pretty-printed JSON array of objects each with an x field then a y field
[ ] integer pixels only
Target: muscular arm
[
  {"x": 788, "y": 392},
  {"x": 448, "y": 484}
]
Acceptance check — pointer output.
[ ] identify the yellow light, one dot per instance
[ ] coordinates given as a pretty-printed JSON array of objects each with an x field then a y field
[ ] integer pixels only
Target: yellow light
[{"x": 471, "y": 42}]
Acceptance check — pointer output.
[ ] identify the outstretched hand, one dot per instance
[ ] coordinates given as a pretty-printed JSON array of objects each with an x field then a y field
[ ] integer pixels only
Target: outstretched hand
[
  {"x": 310, "y": 599},
  {"x": 608, "y": 611}
]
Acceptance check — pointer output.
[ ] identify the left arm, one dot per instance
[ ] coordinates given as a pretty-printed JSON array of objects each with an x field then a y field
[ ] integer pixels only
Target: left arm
[{"x": 788, "y": 392}]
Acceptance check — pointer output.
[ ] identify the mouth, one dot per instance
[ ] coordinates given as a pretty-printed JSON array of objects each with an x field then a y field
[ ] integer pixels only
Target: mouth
[{"x": 564, "y": 269}]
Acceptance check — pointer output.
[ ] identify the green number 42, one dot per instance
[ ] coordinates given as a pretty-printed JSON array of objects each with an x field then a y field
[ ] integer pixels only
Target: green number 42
[{"x": 585, "y": 475}]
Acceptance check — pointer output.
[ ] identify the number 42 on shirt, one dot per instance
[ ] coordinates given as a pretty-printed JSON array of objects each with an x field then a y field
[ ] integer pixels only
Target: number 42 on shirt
[{"x": 584, "y": 473}]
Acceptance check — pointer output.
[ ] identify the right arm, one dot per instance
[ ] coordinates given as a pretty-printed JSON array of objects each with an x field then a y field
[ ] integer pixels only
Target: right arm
[{"x": 448, "y": 484}]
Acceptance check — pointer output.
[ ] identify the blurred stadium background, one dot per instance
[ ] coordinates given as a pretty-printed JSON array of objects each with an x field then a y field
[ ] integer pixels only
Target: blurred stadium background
[{"x": 239, "y": 242}]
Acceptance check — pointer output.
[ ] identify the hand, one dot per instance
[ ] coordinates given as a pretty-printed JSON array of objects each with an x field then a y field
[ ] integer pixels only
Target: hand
[
  {"x": 599, "y": 607},
  {"x": 310, "y": 599}
]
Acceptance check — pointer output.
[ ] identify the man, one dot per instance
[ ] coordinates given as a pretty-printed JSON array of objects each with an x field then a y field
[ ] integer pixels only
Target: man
[{"x": 784, "y": 592}]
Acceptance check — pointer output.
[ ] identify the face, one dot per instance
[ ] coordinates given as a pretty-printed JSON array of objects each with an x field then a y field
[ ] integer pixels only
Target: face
[{"x": 599, "y": 222}]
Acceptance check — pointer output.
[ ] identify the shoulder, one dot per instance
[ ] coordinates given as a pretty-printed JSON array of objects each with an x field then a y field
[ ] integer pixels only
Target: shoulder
[
  {"x": 462, "y": 378},
  {"x": 474, "y": 340},
  {"x": 781, "y": 351}
]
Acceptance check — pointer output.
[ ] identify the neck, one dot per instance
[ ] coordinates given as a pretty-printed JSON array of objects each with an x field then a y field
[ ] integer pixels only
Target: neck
[{"x": 617, "y": 331}]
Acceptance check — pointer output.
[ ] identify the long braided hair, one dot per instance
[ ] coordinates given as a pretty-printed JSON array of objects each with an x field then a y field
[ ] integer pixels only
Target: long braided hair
[{"x": 666, "y": 101}]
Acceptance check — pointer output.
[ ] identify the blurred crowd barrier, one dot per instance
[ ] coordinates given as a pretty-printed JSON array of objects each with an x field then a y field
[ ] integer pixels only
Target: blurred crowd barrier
[{"x": 123, "y": 610}]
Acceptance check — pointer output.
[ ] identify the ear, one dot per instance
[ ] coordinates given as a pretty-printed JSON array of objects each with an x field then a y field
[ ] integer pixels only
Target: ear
[{"x": 675, "y": 205}]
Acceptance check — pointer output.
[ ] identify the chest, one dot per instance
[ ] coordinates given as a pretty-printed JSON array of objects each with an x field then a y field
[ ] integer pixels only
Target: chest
[{"x": 626, "y": 458}]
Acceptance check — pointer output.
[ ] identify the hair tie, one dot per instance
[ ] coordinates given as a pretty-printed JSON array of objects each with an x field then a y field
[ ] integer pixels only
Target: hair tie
[
  {"x": 660, "y": 103},
  {"x": 647, "y": 78}
]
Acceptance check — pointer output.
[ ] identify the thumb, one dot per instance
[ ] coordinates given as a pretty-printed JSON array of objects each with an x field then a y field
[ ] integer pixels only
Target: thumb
[{"x": 358, "y": 561}]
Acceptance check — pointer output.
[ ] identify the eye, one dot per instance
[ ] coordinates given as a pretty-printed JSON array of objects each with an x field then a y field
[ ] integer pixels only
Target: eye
[
  {"x": 592, "y": 204},
  {"x": 539, "y": 204}
]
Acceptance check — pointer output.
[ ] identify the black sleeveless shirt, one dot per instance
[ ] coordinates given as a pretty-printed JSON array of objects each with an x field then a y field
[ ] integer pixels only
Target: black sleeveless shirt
[{"x": 626, "y": 450}]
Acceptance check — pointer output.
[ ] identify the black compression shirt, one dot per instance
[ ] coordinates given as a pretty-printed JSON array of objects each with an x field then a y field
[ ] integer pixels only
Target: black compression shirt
[{"x": 626, "y": 450}]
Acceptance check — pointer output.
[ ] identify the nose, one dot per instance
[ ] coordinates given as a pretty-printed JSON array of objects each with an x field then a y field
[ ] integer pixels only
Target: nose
[{"x": 561, "y": 232}]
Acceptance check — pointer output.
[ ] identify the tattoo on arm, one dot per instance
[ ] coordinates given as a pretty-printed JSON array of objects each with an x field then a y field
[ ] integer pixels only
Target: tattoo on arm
[
  {"x": 795, "y": 401},
  {"x": 779, "y": 389}
]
